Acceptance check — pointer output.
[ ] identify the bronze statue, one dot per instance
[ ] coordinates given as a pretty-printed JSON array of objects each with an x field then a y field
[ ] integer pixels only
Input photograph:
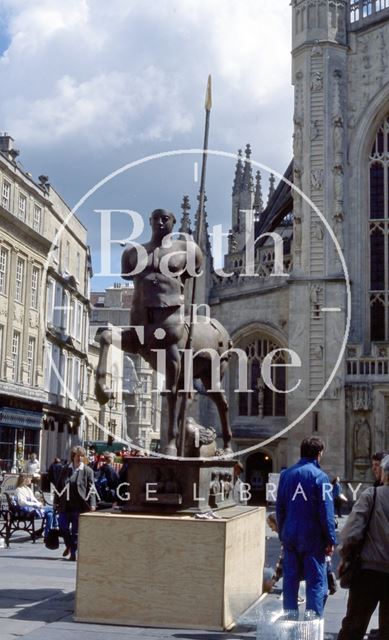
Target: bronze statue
[{"x": 158, "y": 307}]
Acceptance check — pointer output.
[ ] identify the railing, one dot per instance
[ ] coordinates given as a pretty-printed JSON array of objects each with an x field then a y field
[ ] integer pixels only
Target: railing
[
  {"x": 364, "y": 9},
  {"x": 367, "y": 367}
]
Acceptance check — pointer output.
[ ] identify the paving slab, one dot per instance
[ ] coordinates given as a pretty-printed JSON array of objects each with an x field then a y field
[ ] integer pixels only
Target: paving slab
[{"x": 19, "y": 627}]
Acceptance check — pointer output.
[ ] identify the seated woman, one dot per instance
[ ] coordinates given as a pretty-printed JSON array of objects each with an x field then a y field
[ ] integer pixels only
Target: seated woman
[{"x": 29, "y": 503}]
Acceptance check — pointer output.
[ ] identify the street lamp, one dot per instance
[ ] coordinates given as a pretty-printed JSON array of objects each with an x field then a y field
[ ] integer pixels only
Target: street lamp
[
  {"x": 111, "y": 403},
  {"x": 110, "y": 437}
]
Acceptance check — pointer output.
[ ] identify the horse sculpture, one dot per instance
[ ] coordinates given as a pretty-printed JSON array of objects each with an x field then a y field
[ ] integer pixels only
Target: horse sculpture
[{"x": 159, "y": 332}]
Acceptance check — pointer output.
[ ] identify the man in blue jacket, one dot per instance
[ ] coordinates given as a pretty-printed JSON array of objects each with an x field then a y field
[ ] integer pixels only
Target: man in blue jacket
[{"x": 306, "y": 527}]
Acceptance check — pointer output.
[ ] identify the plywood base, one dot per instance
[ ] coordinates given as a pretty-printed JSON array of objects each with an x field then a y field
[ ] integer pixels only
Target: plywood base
[{"x": 169, "y": 571}]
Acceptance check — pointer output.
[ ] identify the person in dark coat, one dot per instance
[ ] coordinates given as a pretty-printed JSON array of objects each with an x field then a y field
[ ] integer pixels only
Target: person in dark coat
[
  {"x": 75, "y": 494},
  {"x": 305, "y": 518},
  {"x": 107, "y": 480},
  {"x": 376, "y": 460},
  {"x": 336, "y": 493},
  {"x": 54, "y": 472}
]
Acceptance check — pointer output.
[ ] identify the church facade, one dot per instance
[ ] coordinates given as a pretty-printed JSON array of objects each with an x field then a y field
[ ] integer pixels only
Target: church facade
[{"x": 330, "y": 303}]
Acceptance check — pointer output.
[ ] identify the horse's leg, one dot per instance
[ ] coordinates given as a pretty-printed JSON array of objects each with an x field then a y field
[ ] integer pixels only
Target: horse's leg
[
  {"x": 220, "y": 400},
  {"x": 186, "y": 401},
  {"x": 127, "y": 341},
  {"x": 173, "y": 366},
  {"x": 102, "y": 393}
]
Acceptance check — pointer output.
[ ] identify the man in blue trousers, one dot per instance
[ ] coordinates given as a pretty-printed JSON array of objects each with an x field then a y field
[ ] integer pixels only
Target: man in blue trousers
[{"x": 306, "y": 527}]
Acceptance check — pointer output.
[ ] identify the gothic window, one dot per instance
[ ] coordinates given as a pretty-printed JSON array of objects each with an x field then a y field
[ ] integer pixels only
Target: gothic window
[
  {"x": 354, "y": 10},
  {"x": 379, "y": 234},
  {"x": 367, "y": 8},
  {"x": 262, "y": 401}
]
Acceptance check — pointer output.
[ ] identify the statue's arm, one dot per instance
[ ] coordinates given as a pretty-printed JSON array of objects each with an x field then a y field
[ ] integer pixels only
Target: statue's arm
[{"x": 129, "y": 262}]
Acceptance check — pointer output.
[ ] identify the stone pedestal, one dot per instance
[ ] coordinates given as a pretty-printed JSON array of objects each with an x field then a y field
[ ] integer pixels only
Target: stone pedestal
[{"x": 169, "y": 571}]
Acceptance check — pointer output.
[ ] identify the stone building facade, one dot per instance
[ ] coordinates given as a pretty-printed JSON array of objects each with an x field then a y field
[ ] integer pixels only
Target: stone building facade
[
  {"x": 137, "y": 405},
  {"x": 45, "y": 270},
  {"x": 332, "y": 200}
]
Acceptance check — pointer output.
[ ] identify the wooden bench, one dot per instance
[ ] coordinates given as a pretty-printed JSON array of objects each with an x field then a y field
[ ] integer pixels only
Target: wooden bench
[
  {"x": 18, "y": 520},
  {"x": 3, "y": 521}
]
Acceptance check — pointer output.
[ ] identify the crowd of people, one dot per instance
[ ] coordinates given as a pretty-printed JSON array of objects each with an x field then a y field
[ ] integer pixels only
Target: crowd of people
[
  {"x": 78, "y": 485},
  {"x": 307, "y": 508}
]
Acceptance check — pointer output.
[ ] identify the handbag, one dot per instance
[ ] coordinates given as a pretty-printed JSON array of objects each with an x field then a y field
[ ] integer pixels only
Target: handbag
[
  {"x": 331, "y": 577},
  {"x": 52, "y": 539},
  {"x": 349, "y": 569}
]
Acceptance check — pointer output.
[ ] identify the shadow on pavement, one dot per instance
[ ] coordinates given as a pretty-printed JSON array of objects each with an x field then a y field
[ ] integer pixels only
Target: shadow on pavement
[
  {"x": 47, "y": 605},
  {"x": 214, "y": 635},
  {"x": 40, "y": 558}
]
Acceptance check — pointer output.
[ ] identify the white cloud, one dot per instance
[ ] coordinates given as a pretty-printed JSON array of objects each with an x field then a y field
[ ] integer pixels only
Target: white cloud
[
  {"x": 101, "y": 110},
  {"x": 121, "y": 71}
]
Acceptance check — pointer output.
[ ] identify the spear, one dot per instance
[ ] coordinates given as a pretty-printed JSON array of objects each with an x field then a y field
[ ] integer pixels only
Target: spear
[{"x": 200, "y": 224}]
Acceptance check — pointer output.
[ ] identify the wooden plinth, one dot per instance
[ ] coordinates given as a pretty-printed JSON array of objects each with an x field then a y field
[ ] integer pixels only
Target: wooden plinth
[{"x": 169, "y": 571}]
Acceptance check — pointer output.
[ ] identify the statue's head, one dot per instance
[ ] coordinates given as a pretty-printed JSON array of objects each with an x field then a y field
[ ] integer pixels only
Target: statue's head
[{"x": 162, "y": 222}]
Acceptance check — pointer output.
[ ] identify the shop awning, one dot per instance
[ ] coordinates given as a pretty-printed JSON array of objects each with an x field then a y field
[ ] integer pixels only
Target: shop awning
[{"x": 20, "y": 418}]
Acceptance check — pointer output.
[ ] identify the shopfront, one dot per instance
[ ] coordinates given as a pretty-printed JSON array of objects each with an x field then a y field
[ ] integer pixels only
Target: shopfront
[{"x": 20, "y": 432}]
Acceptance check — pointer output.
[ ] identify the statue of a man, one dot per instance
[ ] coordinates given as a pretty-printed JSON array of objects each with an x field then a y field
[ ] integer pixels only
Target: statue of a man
[
  {"x": 160, "y": 269},
  {"x": 167, "y": 264}
]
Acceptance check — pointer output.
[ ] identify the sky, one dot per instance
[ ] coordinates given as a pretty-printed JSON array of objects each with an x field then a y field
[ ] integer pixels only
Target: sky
[{"x": 90, "y": 86}]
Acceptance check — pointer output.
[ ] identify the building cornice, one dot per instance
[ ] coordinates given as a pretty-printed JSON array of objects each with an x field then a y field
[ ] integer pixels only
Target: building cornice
[
  {"x": 23, "y": 229},
  {"x": 22, "y": 391}
]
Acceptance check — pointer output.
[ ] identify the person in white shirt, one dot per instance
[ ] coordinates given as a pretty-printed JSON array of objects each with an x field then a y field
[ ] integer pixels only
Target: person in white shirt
[
  {"x": 240, "y": 487},
  {"x": 33, "y": 466},
  {"x": 29, "y": 503}
]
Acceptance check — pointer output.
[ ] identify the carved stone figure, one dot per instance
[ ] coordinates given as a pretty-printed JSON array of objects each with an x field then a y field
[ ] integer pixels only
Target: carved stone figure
[
  {"x": 298, "y": 144},
  {"x": 362, "y": 439},
  {"x": 297, "y": 234},
  {"x": 317, "y": 179},
  {"x": 338, "y": 139},
  {"x": 318, "y": 232},
  {"x": 316, "y": 290},
  {"x": 261, "y": 396},
  {"x": 337, "y": 387},
  {"x": 318, "y": 351},
  {"x": 338, "y": 229},
  {"x": 317, "y": 81},
  {"x": 338, "y": 190},
  {"x": 315, "y": 129},
  {"x": 316, "y": 51}
]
